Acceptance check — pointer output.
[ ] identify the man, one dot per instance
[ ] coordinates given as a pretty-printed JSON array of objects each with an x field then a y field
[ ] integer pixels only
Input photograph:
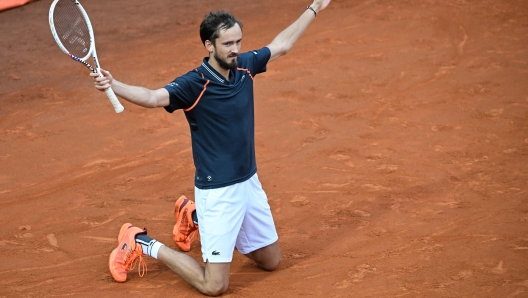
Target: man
[{"x": 231, "y": 208}]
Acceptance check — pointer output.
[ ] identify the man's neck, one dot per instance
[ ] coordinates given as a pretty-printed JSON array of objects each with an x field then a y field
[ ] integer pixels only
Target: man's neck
[{"x": 224, "y": 72}]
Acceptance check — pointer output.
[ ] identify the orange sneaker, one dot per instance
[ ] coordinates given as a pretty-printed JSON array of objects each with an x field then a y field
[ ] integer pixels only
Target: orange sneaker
[
  {"x": 127, "y": 254},
  {"x": 185, "y": 229}
]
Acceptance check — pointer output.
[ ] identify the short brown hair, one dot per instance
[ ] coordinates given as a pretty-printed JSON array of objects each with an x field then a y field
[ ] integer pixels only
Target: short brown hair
[{"x": 213, "y": 22}]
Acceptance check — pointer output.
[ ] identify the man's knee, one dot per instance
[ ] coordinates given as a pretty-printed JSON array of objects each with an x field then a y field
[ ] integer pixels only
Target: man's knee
[
  {"x": 216, "y": 279},
  {"x": 270, "y": 264},
  {"x": 267, "y": 258},
  {"x": 215, "y": 289}
]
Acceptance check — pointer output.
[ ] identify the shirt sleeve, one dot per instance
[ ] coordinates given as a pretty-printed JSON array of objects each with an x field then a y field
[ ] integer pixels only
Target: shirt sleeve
[
  {"x": 181, "y": 94},
  {"x": 257, "y": 60}
]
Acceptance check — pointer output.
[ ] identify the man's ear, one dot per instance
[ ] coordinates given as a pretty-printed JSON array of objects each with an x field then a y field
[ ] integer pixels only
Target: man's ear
[{"x": 209, "y": 46}]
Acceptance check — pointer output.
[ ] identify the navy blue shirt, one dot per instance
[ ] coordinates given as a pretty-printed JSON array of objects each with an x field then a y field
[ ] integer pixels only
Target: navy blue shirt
[{"x": 221, "y": 118}]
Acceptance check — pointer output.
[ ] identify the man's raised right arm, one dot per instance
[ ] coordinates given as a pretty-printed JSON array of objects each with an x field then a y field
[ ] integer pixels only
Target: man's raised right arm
[{"x": 135, "y": 94}]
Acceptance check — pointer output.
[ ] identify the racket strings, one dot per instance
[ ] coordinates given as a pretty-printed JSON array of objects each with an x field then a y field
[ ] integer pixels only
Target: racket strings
[{"x": 72, "y": 28}]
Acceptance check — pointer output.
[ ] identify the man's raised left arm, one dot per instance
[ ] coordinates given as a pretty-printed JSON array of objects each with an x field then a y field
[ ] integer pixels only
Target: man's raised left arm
[{"x": 283, "y": 42}]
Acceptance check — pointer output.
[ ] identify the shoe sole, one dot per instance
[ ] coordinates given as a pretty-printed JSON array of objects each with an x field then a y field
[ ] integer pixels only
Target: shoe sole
[
  {"x": 113, "y": 271},
  {"x": 178, "y": 206},
  {"x": 112, "y": 257}
]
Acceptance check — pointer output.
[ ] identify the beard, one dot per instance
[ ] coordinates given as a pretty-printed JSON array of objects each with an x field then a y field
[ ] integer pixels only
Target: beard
[{"x": 224, "y": 64}]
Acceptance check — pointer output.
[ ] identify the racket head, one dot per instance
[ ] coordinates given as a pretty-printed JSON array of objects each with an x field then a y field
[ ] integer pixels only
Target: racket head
[{"x": 71, "y": 28}]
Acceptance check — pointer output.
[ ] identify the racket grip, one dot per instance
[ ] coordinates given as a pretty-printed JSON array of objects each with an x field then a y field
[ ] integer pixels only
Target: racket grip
[{"x": 113, "y": 99}]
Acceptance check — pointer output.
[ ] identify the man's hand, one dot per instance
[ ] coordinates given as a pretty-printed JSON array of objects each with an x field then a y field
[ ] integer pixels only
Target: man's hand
[
  {"x": 104, "y": 82},
  {"x": 319, "y": 5}
]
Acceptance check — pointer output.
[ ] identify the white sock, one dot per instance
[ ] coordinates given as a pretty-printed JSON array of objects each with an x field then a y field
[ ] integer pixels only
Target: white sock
[
  {"x": 150, "y": 248},
  {"x": 154, "y": 248}
]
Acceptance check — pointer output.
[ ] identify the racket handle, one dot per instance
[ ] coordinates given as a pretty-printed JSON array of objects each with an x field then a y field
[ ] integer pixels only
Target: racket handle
[{"x": 113, "y": 99}]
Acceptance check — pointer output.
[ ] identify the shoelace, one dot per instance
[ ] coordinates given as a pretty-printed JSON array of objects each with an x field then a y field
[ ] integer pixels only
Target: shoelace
[
  {"x": 132, "y": 261},
  {"x": 190, "y": 237}
]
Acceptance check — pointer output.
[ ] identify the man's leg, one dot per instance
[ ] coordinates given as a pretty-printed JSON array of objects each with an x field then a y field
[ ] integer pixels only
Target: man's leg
[
  {"x": 133, "y": 242},
  {"x": 267, "y": 258},
  {"x": 212, "y": 280}
]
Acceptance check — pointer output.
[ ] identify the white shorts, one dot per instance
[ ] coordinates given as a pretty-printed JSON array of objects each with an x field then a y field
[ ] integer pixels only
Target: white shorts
[{"x": 236, "y": 215}]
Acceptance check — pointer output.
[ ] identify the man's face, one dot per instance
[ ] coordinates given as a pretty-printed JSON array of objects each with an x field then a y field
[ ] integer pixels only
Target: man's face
[{"x": 227, "y": 47}]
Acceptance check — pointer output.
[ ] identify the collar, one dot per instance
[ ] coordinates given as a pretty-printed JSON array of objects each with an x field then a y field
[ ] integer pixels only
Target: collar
[{"x": 212, "y": 72}]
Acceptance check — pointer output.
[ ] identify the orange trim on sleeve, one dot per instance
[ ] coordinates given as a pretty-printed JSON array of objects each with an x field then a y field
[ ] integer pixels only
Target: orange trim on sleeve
[
  {"x": 199, "y": 97},
  {"x": 247, "y": 70}
]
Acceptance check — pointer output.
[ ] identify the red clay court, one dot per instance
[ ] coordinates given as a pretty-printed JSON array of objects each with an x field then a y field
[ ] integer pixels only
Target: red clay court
[{"x": 392, "y": 142}]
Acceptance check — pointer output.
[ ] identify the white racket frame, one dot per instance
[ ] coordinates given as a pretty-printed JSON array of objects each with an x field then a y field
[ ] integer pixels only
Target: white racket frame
[{"x": 92, "y": 52}]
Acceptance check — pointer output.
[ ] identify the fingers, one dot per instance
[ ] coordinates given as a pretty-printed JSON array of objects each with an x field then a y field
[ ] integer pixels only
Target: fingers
[
  {"x": 102, "y": 82},
  {"x": 106, "y": 73}
]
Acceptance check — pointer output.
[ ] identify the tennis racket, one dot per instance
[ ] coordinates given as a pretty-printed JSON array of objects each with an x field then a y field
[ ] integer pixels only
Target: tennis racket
[{"x": 73, "y": 32}]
